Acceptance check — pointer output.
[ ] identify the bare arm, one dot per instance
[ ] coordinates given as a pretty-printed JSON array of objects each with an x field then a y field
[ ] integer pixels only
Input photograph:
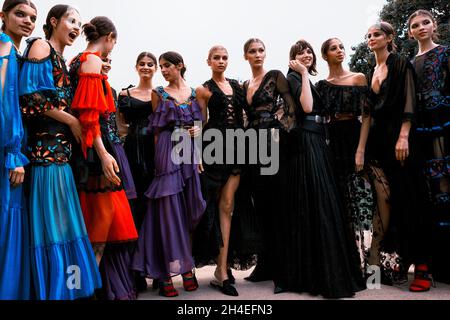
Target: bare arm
[
  {"x": 365, "y": 128},
  {"x": 203, "y": 96}
]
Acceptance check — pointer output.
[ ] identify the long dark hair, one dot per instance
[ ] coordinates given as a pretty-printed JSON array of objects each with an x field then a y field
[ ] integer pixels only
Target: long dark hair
[
  {"x": 174, "y": 58},
  {"x": 57, "y": 12},
  {"x": 8, "y": 5},
  {"x": 99, "y": 27}
]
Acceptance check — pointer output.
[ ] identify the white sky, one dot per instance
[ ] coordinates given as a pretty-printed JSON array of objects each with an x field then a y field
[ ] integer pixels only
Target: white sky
[{"x": 192, "y": 27}]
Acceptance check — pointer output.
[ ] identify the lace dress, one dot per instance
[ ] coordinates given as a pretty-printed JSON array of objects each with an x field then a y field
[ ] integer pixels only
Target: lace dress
[
  {"x": 355, "y": 188},
  {"x": 271, "y": 108},
  {"x": 408, "y": 233},
  {"x": 225, "y": 113}
]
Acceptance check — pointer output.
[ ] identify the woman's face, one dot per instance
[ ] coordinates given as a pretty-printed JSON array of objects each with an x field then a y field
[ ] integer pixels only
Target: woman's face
[
  {"x": 422, "y": 28},
  {"x": 218, "y": 60},
  {"x": 20, "y": 21},
  {"x": 106, "y": 68},
  {"x": 68, "y": 28},
  {"x": 256, "y": 54},
  {"x": 305, "y": 57},
  {"x": 377, "y": 39},
  {"x": 170, "y": 71},
  {"x": 336, "y": 52},
  {"x": 146, "y": 68}
]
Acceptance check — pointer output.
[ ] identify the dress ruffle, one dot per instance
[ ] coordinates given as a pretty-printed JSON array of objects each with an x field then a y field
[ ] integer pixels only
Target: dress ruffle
[
  {"x": 90, "y": 102},
  {"x": 168, "y": 113},
  {"x": 36, "y": 76},
  {"x": 15, "y": 160}
]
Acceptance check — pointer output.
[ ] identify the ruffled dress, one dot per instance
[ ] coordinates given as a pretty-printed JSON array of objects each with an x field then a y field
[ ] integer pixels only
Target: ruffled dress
[
  {"x": 14, "y": 235},
  {"x": 105, "y": 206},
  {"x": 175, "y": 204},
  {"x": 63, "y": 262}
]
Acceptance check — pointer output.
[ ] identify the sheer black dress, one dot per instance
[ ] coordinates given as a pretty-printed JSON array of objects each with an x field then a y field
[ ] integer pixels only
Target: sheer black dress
[
  {"x": 272, "y": 108},
  {"x": 346, "y": 105},
  {"x": 226, "y": 113},
  {"x": 319, "y": 254},
  {"x": 409, "y": 228},
  {"x": 139, "y": 148}
]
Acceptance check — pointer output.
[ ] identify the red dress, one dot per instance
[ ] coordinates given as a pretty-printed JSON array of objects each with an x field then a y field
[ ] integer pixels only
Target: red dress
[{"x": 105, "y": 206}]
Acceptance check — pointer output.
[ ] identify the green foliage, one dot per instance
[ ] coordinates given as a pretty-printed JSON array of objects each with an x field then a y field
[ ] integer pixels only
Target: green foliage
[{"x": 397, "y": 12}]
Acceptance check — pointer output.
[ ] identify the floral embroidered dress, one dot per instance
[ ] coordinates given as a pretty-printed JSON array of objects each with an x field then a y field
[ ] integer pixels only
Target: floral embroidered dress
[
  {"x": 59, "y": 241},
  {"x": 433, "y": 87},
  {"x": 175, "y": 204},
  {"x": 14, "y": 243}
]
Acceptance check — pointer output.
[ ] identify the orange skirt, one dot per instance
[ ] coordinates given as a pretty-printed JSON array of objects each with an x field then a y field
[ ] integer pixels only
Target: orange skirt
[{"x": 108, "y": 217}]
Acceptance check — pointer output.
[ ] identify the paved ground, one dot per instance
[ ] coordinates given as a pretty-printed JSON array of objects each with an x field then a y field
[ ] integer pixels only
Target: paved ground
[{"x": 264, "y": 291}]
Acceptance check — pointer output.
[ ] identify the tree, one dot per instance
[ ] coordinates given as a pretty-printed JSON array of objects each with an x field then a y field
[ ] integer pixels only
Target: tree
[{"x": 397, "y": 12}]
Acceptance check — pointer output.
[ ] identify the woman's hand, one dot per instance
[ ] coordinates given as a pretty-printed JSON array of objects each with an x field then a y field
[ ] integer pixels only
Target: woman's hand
[
  {"x": 110, "y": 168},
  {"x": 16, "y": 176},
  {"x": 200, "y": 168},
  {"x": 194, "y": 132},
  {"x": 75, "y": 127},
  {"x": 298, "y": 67},
  {"x": 359, "y": 161},
  {"x": 402, "y": 149}
]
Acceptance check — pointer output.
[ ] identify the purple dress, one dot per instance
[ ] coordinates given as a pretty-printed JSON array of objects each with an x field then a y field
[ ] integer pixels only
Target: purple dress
[{"x": 175, "y": 204}]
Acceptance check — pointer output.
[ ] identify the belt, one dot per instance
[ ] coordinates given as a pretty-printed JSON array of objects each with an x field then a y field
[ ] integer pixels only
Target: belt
[{"x": 318, "y": 119}]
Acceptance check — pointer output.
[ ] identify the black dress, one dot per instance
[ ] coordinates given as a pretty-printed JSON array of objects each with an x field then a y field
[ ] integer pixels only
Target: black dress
[
  {"x": 319, "y": 254},
  {"x": 272, "y": 109},
  {"x": 226, "y": 113},
  {"x": 355, "y": 188},
  {"x": 140, "y": 150},
  {"x": 409, "y": 227}
]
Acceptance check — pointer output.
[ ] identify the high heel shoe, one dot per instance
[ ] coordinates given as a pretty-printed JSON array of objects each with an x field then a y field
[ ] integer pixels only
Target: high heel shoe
[
  {"x": 225, "y": 287},
  {"x": 190, "y": 282},
  {"x": 166, "y": 289},
  {"x": 422, "y": 279}
]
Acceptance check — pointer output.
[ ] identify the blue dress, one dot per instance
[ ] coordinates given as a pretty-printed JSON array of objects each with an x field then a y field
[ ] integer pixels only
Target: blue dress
[
  {"x": 63, "y": 262},
  {"x": 14, "y": 241}
]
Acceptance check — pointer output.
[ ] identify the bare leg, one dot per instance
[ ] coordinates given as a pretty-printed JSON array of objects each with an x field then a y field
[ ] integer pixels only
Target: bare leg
[
  {"x": 226, "y": 207},
  {"x": 381, "y": 217}
]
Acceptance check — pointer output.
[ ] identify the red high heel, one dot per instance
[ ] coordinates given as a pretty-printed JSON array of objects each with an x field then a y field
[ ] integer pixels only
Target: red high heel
[
  {"x": 422, "y": 279},
  {"x": 190, "y": 282},
  {"x": 167, "y": 289}
]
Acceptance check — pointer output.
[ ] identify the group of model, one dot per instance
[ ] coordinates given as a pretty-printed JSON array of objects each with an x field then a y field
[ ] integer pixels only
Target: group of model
[{"x": 93, "y": 204}]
